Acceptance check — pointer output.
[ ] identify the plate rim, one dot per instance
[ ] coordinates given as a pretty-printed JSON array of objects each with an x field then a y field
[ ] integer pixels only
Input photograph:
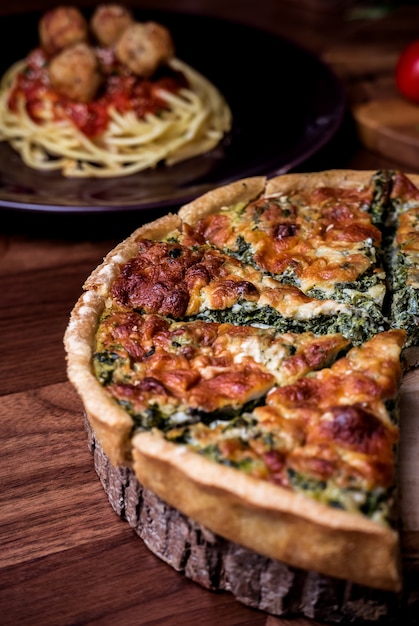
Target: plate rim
[{"x": 270, "y": 167}]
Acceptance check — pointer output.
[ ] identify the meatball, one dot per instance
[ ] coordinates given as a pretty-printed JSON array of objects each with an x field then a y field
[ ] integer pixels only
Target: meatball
[
  {"x": 75, "y": 73},
  {"x": 62, "y": 27},
  {"x": 109, "y": 22},
  {"x": 142, "y": 47}
]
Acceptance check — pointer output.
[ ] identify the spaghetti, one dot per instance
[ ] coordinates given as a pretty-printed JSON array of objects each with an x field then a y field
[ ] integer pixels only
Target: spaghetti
[{"x": 185, "y": 116}]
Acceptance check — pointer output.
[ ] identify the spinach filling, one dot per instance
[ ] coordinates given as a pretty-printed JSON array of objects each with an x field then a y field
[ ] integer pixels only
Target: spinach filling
[
  {"x": 213, "y": 453},
  {"x": 243, "y": 252},
  {"x": 405, "y": 313},
  {"x": 174, "y": 421},
  {"x": 241, "y": 429},
  {"x": 375, "y": 504},
  {"x": 383, "y": 181},
  {"x": 400, "y": 272},
  {"x": 238, "y": 423},
  {"x": 358, "y": 326},
  {"x": 361, "y": 285},
  {"x": 355, "y": 292},
  {"x": 104, "y": 365},
  {"x": 405, "y": 299}
]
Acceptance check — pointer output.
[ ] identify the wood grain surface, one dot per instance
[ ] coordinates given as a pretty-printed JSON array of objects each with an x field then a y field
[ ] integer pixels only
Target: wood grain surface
[{"x": 65, "y": 557}]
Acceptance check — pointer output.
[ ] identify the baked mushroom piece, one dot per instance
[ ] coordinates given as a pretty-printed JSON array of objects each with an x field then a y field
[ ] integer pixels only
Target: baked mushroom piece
[
  {"x": 109, "y": 22},
  {"x": 75, "y": 73},
  {"x": 143, "y": 47},
  {"x": 62, "y": 27}
]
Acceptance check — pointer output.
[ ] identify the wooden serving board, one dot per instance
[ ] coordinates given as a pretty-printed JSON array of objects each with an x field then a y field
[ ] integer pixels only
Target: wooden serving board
[
  {"x": 390, "y": 126},
  {"x": 365, "y": 59}
]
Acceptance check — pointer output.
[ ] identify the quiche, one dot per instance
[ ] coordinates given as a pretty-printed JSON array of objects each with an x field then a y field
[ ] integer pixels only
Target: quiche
[{"x": 243, "y": 358}]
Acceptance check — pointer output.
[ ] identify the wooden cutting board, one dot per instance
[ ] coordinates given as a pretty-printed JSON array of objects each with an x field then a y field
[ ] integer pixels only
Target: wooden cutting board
[
  {"x": 390, "y": 126},
  {"x": 365, "y": 59}
]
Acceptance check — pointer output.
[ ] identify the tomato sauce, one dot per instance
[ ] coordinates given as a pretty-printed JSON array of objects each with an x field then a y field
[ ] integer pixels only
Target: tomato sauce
[{"x": 120, "y": 89}]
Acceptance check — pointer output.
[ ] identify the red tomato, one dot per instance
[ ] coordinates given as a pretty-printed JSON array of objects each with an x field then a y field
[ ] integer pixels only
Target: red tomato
[{"x": 407, "y": 72}]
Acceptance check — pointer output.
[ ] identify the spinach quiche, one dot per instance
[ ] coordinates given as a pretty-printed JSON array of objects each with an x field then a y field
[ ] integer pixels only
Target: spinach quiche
[{"x": 243, "y": 358}]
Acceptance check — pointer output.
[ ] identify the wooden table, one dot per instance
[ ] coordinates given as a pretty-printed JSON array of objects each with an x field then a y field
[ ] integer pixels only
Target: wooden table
[{"x": 66, "y": 558}]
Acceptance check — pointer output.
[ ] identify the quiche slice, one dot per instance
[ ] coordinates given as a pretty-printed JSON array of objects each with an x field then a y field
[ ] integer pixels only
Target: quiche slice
[
  {"x": 166, "y": 373},
  {"x": 307, "y": 478},
  {"x": 315, "y": 232}
]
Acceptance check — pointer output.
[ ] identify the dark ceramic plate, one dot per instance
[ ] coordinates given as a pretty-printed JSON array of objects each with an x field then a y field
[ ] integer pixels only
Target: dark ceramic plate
[{"x": 286, "y": 105}]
